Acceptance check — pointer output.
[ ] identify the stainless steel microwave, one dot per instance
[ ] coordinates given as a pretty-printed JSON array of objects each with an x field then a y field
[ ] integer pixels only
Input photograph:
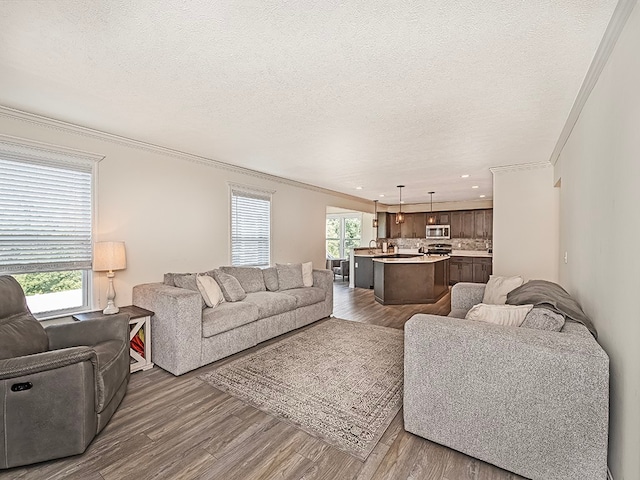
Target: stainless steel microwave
[{"x": 439, "y": 231}]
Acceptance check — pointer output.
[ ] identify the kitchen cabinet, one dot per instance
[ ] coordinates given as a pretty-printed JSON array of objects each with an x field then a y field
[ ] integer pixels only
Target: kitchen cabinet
[
  {"x": 483, "y": 221},
  {"x": 463, "y": 224},
  {"x": 406, "y": 228},
  {"x": 470, "y": 269},
  {"x": 460, "y": 269},
  {"x": 394, "y": 228},
  {"x": 383, "y": 225},
  {"x": 438, "y": 218},
  {"x": 482, "y": 268},
  {"x": 363, "y": 267}
]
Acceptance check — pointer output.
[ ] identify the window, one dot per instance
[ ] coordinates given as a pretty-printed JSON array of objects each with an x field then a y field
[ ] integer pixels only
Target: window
[
  {"x": 45, "y": 224},
  {"x": 250, "y": 226},
  {"x": 344, "y": 232}
]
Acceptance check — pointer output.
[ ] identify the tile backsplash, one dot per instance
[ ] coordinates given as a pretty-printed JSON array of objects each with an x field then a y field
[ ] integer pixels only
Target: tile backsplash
[{"x": 456, "y": 243}]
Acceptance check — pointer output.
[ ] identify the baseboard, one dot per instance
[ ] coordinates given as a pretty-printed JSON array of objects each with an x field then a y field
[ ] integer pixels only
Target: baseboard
[{"x": 609, "y": 476}]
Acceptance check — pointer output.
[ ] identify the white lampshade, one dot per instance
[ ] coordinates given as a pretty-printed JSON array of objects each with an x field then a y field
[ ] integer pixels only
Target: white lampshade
[{"x": 109, "y": 256}]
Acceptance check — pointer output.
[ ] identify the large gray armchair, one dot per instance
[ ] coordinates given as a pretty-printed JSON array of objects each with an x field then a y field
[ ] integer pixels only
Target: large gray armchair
[{"x": 59, "y": 386}]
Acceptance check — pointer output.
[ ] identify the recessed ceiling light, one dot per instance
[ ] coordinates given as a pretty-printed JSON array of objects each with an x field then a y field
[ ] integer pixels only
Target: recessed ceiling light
[
  {"x": 382, "y": 194},
  {"x": 358, "y": 188},
  {"x": 466, "y": 175},
  {"x": 402, "y": 201},
  {"x": 482, "y": 196},
  {"x": 475, "y": 186}
]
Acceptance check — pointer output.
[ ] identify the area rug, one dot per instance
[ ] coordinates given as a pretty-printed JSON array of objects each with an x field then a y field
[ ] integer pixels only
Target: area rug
[{"x": 340, "y": 381}]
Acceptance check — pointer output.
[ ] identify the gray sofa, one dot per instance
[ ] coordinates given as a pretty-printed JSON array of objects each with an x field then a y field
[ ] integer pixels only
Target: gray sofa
[
  {"x": 533, "y": 402},
  {"x": 186, "y": 336}
]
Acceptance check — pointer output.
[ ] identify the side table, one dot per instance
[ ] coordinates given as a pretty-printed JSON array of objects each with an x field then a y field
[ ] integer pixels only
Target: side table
[{"x": 140, "y": 326}]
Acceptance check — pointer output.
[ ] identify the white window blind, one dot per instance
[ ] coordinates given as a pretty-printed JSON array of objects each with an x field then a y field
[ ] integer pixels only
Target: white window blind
[
  {"x": 250, "y": 227},
  {"x": 45, "y": 214}
]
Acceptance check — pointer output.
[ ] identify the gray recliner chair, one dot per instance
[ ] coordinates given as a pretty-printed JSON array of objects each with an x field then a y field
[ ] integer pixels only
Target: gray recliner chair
[{"x": 59, "y": 386}]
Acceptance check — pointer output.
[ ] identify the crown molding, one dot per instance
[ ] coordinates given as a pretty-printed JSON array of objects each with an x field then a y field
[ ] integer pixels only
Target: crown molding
[
  {"x": 614, "y": 29},
  {"x": 39, "y": 150},
  {"x": 520, "y": 167},
  {"x": 73, "y": 129}
]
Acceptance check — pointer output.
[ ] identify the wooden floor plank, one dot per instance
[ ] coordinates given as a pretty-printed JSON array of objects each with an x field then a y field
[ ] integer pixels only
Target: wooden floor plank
[{"x": 183, "y": 428}]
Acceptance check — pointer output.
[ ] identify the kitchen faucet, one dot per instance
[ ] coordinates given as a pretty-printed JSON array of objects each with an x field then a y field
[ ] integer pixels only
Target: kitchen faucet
[{"x": 375, "y": 245}]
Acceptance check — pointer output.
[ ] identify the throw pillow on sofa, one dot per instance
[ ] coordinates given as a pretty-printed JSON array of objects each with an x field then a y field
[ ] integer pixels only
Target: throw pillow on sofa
[
  {"x": 541, "y": 318},
  {"x": 507, "y": 315},
  {"x": 231, "y": 288},
  {"x": 250, "y": 278},
  {"x": 210, "y": 290},
  {"x": 495, "y": 293},
  {"x": 307, "y": 274},
  {"x": 270, "y": 276},
  {"x": 290, "y": 276},
  {"x": 189, "y": 282}
]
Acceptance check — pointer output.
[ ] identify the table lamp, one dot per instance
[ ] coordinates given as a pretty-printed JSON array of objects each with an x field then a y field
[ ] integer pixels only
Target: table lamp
[{"x": 107, "y": 257}]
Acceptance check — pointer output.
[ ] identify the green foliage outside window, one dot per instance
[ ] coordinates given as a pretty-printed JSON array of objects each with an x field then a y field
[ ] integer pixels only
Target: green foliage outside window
[{"x": 49, "y": 282}]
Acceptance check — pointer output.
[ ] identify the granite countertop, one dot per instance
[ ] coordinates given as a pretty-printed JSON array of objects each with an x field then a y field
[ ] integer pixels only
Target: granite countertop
[
  {"x": 471, "y": 253},
  {"x": 416, "y": 259}
]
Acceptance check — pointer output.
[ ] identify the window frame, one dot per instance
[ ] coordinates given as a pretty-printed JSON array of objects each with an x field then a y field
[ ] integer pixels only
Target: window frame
[
  {"x": 249, "y": 190},
  {"x": 17, "y": 148},
  {"x": 343, "y": 217}
]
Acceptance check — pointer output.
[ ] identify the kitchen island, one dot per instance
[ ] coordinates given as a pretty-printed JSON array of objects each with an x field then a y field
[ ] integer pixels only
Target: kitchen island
[{"x": 417, "y": 279}]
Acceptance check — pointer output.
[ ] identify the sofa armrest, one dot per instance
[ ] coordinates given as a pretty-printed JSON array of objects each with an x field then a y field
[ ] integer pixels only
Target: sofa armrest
[
  {"x": 89, "y": 332},
  {"x": 515, "y": 397},
  {"x": 42, "y": 362},
  {"x": 176, "y": 335},
  {"x": 324, "y": 280},
  {"x": 465, "y": 295}
]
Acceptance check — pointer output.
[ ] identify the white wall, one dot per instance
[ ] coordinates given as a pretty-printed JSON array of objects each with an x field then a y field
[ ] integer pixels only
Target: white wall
[
  {"x": 600, "y": 225},
  {"x": 525, "y": 222},
  {"x": 173, "y": 214}
]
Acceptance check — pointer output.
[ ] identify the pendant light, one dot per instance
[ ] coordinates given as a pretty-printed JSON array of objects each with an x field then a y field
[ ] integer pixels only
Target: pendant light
[
  {"x": 432, "y": 218},
  {"x": 375, "y": 214},
  {"x": 400, "y": 215}
]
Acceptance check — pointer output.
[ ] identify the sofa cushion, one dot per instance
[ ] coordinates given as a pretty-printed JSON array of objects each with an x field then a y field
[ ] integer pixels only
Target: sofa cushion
[
  {"x": 270, "y": 276},
  {"x": 307, "y": 274},
  {"x": 210, "y": 290},
  {"x": 271, "y": 303},
  {"x": 458, "y": 312},
  {"x": 188, "y": 281},
  {"x": 227, "y": 316},
  {"x": 250, "y": 278},
  {"x": 507, "y": 315},
  {"x": 541, "y": 318},
  {"x": 290, "y": 276},
  {"x": 230, "y": 286},
  {"x": 307, "y": 295},
  {"x": 498, "y": 287}
]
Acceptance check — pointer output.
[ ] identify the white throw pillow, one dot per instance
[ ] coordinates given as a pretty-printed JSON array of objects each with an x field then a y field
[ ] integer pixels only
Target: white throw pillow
[
  {"x": 210, "y": 290},
  {"x": 508, "y": 315},
  {"x": 497, "y": 289},
  {"x": 307, "y": 274}
]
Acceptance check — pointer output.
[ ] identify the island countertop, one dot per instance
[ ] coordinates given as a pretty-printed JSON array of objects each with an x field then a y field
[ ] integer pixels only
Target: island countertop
[{"x": 416, "y": 259}]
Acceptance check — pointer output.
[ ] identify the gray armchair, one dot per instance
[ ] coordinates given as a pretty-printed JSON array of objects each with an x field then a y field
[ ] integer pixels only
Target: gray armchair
[
  {"x": 59, "y": 386},
  {"x": 343, "y": 270}
]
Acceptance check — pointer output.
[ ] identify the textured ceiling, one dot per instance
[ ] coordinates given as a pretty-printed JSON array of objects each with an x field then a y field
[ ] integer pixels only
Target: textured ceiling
[{"x": 338, "y": 94}]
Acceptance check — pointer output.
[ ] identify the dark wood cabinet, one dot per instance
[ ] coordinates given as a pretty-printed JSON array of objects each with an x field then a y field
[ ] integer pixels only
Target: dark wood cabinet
[
  {"x": 470, "y": 269},
  {"x": 483, "y": 221},
  {"x": 482, "y": 268},
  {"x": 406, "y": 228},
  {"x": 438, "y": 218},
  {"x": 463, "y": 224},
  {"x": 394, "y": 228}
]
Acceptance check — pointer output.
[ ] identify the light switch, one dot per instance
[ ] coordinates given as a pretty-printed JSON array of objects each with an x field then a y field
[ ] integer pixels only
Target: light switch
[{"x": 566, "y": 257}]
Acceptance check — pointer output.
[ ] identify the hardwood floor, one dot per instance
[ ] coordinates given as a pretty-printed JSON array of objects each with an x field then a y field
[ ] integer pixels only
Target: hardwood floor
[{"x": 182, "y": 428}]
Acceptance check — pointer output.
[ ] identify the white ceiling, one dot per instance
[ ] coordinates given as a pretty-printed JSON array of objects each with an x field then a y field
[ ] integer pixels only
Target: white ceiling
[{"x": 338, "y": 94}]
